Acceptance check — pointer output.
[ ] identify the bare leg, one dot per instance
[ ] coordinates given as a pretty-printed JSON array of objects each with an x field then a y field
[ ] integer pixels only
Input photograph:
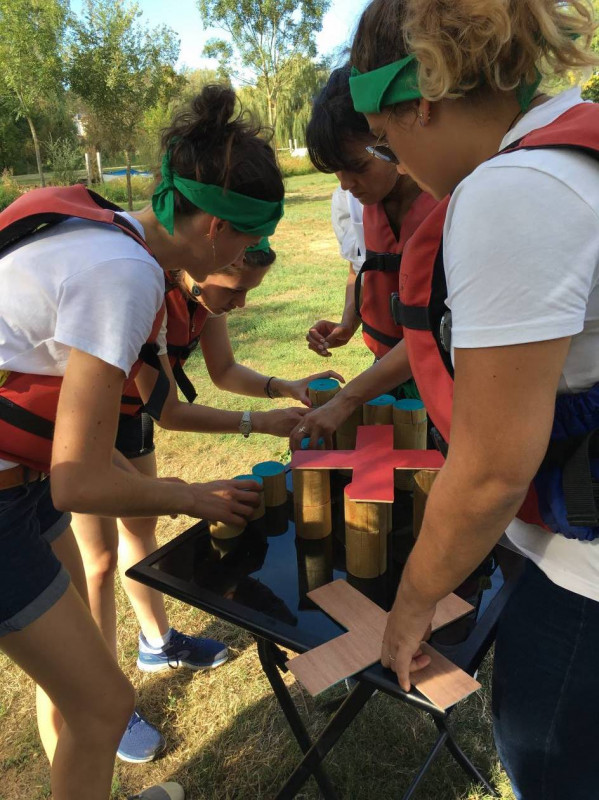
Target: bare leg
[
  {"x": 49, "y": 719},
  {"x": 97, "y": 538},
  {"x": 137, "y": 540},
  {"x": 63, "y": 651}
]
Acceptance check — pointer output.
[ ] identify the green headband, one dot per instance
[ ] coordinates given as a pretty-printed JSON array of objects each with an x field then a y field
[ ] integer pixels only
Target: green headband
[
  {"x": 263, "y": 246},
  {"x": 246, "y": 214},
  {"x": 398, "y": 83}
]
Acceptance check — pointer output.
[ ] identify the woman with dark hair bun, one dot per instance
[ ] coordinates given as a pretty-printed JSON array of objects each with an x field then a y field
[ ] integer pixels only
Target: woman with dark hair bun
[
  {"x": 197, "y": 313},
  {"x": 87, "y": 293},
  {"x": 499, "y": 297}
]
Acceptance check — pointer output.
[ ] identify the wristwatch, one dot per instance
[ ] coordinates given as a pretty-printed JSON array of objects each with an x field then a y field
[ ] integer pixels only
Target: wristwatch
[{"x": 245, "y": 426}]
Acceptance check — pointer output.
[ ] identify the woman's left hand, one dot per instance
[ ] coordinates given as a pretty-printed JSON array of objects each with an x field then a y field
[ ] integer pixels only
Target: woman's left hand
[
  {"x": 298, "y": 390},
  {"x": 408, "y": 625},
  {"x": 279, "y": 421}
]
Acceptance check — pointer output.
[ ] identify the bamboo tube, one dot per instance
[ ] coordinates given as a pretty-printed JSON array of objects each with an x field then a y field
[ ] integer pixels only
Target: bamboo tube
[
  {"x": 346, "y": 433},
  {"x": 379, "y": 410},
  {"x": 312, "y": 503},
  {"x": 273, "y": 477},
  {"x": 366, "y": 528},
  {"x": 261, "y": 510},
  {"x": 221, "y": 530},
  {"x": 409, "y": 433},
  {"x": 423, "y": 482},
  {"x": 321, "y": 390},
  {"x": 314, "y": 564}
]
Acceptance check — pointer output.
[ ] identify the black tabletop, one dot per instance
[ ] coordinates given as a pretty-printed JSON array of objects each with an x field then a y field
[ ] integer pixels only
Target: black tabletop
[{"x": 260, "y": 579}]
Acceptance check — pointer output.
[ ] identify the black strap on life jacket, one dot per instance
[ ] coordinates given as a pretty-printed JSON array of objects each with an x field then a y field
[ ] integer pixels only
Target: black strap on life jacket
[
  {"x": 183, "y": 382},
  {"x": 376, "y": 262},
  {"x": 581, "y": 491},
  {"x": 436, "y": 317},
  {"x": 25, "y": 420},
  {"x": 149, "y": 355}
]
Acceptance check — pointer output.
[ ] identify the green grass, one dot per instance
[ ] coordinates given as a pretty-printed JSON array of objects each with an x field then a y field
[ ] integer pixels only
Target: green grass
[{"x": 227, "y": 739}]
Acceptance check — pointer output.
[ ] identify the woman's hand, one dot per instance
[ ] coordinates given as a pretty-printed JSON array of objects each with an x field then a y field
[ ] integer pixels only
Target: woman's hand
[
  {"x": 408, "y": 625},
  {"x": 298, "y": 390},
  {"x": 279, "y": 421},
  {"x": 231, "y": 502},
  {"x": 325, "y": 334},
  {"x": 321, "y": 423}
]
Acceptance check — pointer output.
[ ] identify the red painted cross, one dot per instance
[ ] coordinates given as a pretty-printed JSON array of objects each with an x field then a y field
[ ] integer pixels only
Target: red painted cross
[{"x": 373, "y": 463}]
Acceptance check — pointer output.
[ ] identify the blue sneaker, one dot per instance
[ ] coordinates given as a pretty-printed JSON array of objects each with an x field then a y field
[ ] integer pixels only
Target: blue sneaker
[
  {"x": 193, "y": 652},
  {"x": 141, "y": 741}
]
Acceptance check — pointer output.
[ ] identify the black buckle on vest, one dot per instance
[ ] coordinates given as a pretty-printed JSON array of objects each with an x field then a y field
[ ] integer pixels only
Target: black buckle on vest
[
  {"x": 581, "y": 492},
  {"x": 416, "y": 318}
]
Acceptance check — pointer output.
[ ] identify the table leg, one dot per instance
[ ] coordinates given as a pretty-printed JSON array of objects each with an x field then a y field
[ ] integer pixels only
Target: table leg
[
  {"x": 434, "y": 752},
  {"x": 312, "y": 760},
  {"x": 462, "y": 759},
  {"x": 273, "y": 659}
]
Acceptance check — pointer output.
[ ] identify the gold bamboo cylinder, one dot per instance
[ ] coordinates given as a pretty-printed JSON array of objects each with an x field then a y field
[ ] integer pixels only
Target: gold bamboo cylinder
[
  {"x": 366, "y": 529},
  {"x": 321, "y": 390},
  {"x": 423, "y": 482},
  {"x": 379, "y": 410},
  {"x": 261, "y": 510},
  {"x": 346, "y": 433},
  {"x": 312, "y": 503},
  {"x": 409, "y": 433},
  {"x": 314, "y": 565},
  {"x": 273, "y": 478}
]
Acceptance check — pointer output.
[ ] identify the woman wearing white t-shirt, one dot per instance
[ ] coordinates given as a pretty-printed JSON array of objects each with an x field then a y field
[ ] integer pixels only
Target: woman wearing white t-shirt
[
  {"x": 444, "y": 87},
  {"x": 83, "y": 299}
]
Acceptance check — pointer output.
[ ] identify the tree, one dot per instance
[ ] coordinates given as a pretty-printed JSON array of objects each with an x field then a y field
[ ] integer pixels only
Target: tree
[
  {"x": 32, "y": 34},
  {"x": 267, "y": 36},
  {"x": 120, "y": 68}
]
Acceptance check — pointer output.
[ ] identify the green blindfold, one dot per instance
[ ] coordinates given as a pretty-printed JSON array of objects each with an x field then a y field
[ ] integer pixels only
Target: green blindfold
[
  {"x": 398, "y": 83},
  {"x": 263, "y": 246},
  {"x": 246, "y": 214}
]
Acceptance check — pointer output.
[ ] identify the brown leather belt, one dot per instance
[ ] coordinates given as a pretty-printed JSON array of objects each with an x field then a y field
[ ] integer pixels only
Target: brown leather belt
[{"x": 17, "y": 476}]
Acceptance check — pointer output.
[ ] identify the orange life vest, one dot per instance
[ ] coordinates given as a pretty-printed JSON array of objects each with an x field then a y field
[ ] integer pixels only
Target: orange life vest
[
  {"x": 28, "y": 402},
  {"x": 377, "y": 279},
  {"x": 185, "y": 320},
  {"x": 569, "y": 473}
]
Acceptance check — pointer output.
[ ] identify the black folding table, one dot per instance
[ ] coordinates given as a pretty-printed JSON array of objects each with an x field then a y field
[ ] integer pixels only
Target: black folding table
[{"x": 259, "y": 581}]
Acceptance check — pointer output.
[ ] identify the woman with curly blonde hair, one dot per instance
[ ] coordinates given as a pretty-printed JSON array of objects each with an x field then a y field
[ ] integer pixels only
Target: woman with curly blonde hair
[{"x": 451, "y": 89}]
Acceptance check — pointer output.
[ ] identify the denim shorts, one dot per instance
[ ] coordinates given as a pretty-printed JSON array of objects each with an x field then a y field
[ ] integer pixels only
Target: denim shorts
[
  {"x": 32, "y": 579},
  {"x": 135, "y": 435}
]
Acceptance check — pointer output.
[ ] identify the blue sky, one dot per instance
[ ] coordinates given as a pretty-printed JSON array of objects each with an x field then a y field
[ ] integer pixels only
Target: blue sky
[{"x": 183, "y": 16}]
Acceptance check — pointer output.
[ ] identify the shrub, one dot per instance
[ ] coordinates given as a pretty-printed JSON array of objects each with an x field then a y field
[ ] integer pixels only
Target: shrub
[
  {"x": 65, "y": 159},
  {"x": 9, "y": 189},
  {"x": 116, "y": 190},
  {"x": 291, "y": 165},
  {"x": 590, "y": 90}
]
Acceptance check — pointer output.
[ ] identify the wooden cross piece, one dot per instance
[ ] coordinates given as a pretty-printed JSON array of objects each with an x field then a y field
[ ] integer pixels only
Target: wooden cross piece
[
  {"x": 441, "y": 682},
  {"x": 373, "y": 463}
]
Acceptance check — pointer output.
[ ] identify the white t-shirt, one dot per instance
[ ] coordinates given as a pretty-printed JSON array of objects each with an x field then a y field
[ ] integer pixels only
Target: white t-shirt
[
  {"x": 78, "y": 284},
  {"x": 521, "y": 251},
  {"x": 346, "y": 216}
]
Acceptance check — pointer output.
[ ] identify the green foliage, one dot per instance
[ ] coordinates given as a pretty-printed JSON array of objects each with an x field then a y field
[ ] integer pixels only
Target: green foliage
[
  {"x": 121, "y": 68},
  {"x": 590, "y": 90},
  {"x": 116, "y": 190},
  {"x": 65, "y": 158},
  {"x": 9, "y": 189},
  {"x": 291, "y": 166},
  {"x": 268, "y": 40},
  {"x": 31, "y": 46}
]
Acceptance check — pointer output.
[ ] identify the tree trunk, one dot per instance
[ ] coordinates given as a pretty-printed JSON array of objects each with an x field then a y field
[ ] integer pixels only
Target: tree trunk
[
  {"x": 129, "y": 190},
  {"x": 38, "y": 155},
  {"x": 99, "y": 163}
]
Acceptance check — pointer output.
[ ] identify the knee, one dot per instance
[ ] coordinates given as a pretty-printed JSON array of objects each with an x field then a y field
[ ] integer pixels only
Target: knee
[
  {"x": 100, "y": 570},
  {"x": 104, "y": 719}
]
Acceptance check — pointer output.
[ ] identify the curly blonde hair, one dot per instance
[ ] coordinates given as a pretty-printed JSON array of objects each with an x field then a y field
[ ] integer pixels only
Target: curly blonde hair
[{"x": 461, "y": 45}]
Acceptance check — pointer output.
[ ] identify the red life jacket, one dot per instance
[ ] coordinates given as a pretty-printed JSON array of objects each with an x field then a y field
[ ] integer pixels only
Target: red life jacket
[
  {"x": 377, "y": 279},
  {"x": 420, "y": 308},
  {"x": 185, "y": 320},
  {"x": 28, "y": 402}
]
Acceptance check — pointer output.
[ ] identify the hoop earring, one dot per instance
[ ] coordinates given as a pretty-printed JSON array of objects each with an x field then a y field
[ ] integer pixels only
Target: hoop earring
[{"x": 196, "y": 290}]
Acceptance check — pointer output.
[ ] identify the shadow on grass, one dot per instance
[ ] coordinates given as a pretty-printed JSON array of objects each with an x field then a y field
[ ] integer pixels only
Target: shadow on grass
[{"x": 377, "y": 757}]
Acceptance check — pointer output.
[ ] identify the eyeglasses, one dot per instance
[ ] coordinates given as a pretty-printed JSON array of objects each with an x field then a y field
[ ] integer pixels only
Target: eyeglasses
[{"x": 383, "y": 151}]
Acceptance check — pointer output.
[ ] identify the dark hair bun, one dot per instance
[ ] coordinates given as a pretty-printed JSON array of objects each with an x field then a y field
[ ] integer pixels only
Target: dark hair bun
[{"x": 215, "y": 141}]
